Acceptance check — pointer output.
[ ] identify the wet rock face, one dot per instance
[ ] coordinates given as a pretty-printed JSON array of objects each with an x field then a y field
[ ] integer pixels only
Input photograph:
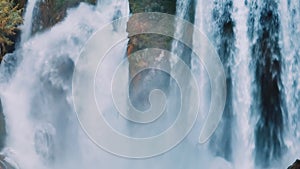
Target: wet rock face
[
  {"x": 49, "y": 12},
  {"x": 166, "y": 6},
  {"x": 22, "y": 3},
  {"x": 2, "y": 128},
  {"x": 147, "y": 80},
  {"x": 296, "y": 165},
  {"x": 142, "y": 83},
  {"x": 46, "y": 14},
  {"x": 139, "y": 42}
]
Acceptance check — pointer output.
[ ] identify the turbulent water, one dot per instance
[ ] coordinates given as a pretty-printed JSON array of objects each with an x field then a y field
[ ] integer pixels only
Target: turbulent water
[{"x": 258, "y": 44}]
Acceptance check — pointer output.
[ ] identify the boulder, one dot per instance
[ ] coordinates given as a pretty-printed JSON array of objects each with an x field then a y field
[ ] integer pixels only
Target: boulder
[
  {"x": 49, "y": 12},
  {"x": 295, "y": 165}
]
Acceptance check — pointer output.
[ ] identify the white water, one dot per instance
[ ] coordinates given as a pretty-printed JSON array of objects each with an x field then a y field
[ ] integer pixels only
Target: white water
[
  {"x": 43, "y": 130},
  {"x": 244, "y": 143},
  {"x": 181, "y": 11},
  {"x": 26, "y": 27},
  {"x": 37, "y": 99},
  {"x": 290, "y": 18}
]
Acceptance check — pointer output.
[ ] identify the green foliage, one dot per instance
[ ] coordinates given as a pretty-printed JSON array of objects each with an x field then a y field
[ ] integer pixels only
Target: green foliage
[{"x": 10, "y": 18}]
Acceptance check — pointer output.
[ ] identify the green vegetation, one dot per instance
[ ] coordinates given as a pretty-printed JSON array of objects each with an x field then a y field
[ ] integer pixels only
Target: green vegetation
[{"x": 10, "y": 18}]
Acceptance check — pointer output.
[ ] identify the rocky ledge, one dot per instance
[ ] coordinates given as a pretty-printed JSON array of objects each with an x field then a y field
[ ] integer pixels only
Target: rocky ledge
[{"x": 295, "y": 165}]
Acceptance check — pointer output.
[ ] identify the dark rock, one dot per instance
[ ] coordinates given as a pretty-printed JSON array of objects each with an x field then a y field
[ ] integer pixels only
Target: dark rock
[
  {"x": 295, "y": 165},
  {"x": 140, "y": 87},
  {"x": 49, "y": 12},
  {"x": 142, "y": 41},
  {"x": 2, "y": 128},
  {"x": 145, "y": 81}
]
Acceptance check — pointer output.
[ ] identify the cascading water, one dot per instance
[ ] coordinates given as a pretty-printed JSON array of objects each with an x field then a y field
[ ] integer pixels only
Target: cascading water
[
  {"x": 224, "y": 37},
  {"x": 43, "y": 130},
  {"x": 241, "y": 90},
  {"x": 268, "y": 105},
  {"x": 26, "y": 27},
  {"x": 183, "y": 11},
  {"x": 256, "y": 33},
  {"x": 290, "y": 17},
  {"x": 260, "y": 52}
]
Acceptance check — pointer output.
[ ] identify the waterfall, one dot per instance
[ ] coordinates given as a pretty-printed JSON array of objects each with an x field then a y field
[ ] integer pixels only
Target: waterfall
[
  {"x": 268, "y": 103},
  {"x": 241, "y": 78},
  {"x": 26, "y": 27},
  {"x": 183, "y": 11},
  {"x": 258, "y": 44},
  {"x": 290, "y": 17},
  {"x": 259, "y": 104},
  {"x": 224, "y": 40},
  {"x": 43, "y": 131}
]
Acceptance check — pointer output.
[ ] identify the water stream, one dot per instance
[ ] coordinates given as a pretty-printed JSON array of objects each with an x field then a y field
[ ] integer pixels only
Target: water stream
[{"x": 26, "y": 27}]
